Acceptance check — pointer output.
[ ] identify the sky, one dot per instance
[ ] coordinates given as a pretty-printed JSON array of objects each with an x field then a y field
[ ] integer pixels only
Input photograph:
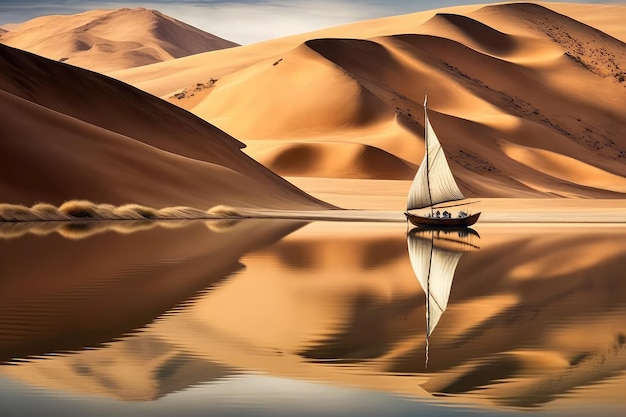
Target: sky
[{"x": 243, "y": 21}]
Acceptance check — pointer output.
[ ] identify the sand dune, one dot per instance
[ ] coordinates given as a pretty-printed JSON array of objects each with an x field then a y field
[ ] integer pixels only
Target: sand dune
[
  {"x": 69, "y": 134},
  {"x": 475, "y": 34},
  {"x": 503, "y": 76},
  {"x": 606, "y": 17},
  {"x": 330, "y": 158},
  {"x": 161, "y": 79},
  {"x": 108, "y": 40}
]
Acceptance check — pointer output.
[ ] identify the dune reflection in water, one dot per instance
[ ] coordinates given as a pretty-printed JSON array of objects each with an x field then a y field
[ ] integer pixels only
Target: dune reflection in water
[{"x": 534, "y": 320}]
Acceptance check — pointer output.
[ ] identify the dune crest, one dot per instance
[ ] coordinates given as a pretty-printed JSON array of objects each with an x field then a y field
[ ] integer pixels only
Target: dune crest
[
  {"x": 118, "y": 145},
  {"x": 109, "y": 40},
  {"x": 346, "y": 102},
  {"x": 334, "y": 99},
  {"x": 475, "y": 32},
  {"x": 522, "y": 75}
]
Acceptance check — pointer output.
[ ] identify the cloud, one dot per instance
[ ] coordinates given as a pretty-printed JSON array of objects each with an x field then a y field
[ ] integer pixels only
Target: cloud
[{"x": 244, "y": 23}]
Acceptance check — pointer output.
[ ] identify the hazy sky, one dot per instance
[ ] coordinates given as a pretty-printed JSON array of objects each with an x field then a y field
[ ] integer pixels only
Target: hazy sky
[{"x": 243, "y": 21}]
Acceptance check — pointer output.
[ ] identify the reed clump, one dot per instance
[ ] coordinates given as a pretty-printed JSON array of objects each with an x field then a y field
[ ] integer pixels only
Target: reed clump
[
  {"x": 224, "y": 211},
  {"x": 88, "y": 210},
  {"x": 49, "y": 212},
  {"x": 182, "y": 212},
  {"x": 16, "y": 213},
  {"x": 82, "y": 209}
]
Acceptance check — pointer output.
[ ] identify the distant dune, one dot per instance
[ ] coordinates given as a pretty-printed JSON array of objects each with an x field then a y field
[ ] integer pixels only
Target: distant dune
[
  {"x": 527, "y": 102},
  {"x": 107, "y": 40},
  {"x": 68, "y": 133}
]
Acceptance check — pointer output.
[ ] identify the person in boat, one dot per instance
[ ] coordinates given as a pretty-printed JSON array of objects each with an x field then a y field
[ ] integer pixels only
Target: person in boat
[
  {"x": 462, "y": 214},
  {"x": 446, "y": 215},
  {"x": 438, "y": 214}
]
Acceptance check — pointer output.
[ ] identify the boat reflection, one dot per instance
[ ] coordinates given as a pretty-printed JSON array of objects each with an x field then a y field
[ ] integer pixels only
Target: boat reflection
[{"x": 434, "y": 255}]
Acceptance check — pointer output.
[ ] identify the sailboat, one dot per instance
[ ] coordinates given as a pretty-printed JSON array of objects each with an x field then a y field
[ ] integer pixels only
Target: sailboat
[
  {"x": 434, "y": 256},
  {"x": 433, "y": 185}
]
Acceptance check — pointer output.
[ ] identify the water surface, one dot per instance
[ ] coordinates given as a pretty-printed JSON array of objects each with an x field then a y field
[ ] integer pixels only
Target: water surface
[{"x": 277, "y": 317}]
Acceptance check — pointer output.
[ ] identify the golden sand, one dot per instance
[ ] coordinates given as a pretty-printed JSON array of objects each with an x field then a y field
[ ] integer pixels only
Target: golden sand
[{"x": 109, "y": 40}]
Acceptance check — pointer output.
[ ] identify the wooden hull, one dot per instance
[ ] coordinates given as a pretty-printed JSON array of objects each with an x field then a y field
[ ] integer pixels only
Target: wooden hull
[{"x": 435, "y": 222}]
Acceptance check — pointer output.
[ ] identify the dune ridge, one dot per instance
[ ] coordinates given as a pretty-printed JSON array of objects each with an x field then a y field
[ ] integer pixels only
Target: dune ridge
[
  {"x": 109, "y": 40},
  {"x": 118, "y": 145},
  {"x": 499, "y": 76},
  {"x": 526, "y": 100},
  {"x": 164, "y": 78}
]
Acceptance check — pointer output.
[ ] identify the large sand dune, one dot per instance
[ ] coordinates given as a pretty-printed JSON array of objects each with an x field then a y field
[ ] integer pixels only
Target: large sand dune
[
  {"x": 68, "y": 133},
  {"x": 526, "y": 101},
  {"x": 107, "y": 40}
]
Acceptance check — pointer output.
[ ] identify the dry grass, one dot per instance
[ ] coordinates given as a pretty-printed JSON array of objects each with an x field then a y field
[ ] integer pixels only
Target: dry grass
[
  {"x": 224, "y": 211},
  {"x": 87, "y": 210}
]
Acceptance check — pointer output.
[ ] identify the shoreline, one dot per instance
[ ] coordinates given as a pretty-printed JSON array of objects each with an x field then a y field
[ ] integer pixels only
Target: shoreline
[
  {"x": 379, "y": 203},
  {"x": 351, "y": 215}
]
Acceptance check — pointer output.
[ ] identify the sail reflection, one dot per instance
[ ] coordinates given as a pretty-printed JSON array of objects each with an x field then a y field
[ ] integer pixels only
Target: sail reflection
[{"x": 434, "y": 255}]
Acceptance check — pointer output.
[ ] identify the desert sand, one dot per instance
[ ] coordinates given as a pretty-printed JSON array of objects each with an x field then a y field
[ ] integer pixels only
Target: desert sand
[
  {"x": 384, "y": 201},
  {"x": 109, "y": 40},
  {"x": 527, "y": 101},
  {"x": 70, "y": 133}
]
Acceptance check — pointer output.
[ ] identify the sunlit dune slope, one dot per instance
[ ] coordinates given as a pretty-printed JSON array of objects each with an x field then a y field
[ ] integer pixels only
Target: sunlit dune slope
[
  {"x": 69, "y": 133},
  {"x": 107, "y": 40},
  {"x": 163, "y": 78},
  {"x": 500, "y": 78}
]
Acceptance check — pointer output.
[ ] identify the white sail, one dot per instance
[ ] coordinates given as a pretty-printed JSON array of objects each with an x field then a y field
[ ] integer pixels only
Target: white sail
[
  {"x": 433, "y": 182},
  {"x": 434, "y": 268}
]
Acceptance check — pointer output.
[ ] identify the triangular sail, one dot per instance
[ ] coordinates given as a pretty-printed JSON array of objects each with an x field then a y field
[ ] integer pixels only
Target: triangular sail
[{"x": 433, "y": 182}]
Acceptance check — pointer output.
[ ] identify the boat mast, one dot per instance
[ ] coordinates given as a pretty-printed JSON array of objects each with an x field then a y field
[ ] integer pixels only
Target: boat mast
[{"x": 430, "y": 197}]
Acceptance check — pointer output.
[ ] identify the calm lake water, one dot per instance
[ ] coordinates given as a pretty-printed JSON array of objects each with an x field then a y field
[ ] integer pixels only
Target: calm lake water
[{"x": 288, "y": 318}]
